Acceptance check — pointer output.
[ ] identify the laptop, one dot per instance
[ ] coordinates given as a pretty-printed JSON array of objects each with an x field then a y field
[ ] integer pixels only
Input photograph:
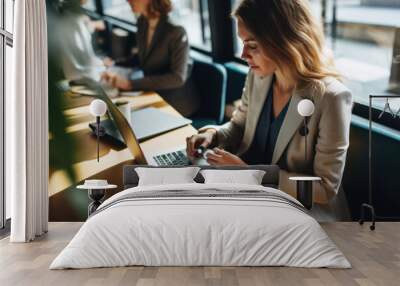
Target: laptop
[
  {"x": 146, "y": 123},
  {"x": 172, "y": 157}
]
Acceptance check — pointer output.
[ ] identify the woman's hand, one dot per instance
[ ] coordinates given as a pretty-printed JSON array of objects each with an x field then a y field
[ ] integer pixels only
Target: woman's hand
[
  {"x": 204, "y": 139},
  {"x": 117, "y": 81},
  {"x": 222, "y": 157}
]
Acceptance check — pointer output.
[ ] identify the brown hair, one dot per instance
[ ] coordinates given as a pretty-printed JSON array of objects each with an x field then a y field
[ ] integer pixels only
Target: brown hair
[
  {"x": 288, "y": 32},
  {"x": 159, "y": 7}
]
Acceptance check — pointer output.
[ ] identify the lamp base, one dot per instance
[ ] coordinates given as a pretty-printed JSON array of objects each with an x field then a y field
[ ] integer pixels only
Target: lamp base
[
  {"x": 96, "y": 195},
  {"x": 305, "y": 193},
  {"x": 305, "y": 189}
]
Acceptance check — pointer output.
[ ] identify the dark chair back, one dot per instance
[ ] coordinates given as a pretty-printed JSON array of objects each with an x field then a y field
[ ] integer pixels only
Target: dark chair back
[
  {"x": 236, "y": 78},
  {"x": 210, "y": 81}
]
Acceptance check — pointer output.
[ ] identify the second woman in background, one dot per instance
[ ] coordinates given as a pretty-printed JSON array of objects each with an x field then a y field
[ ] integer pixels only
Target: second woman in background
[{"x": 163, "y": 56}]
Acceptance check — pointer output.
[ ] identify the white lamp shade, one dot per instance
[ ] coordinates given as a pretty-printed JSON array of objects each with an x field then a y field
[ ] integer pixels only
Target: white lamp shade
[
  {"x": 305, "y": 107},
  {"x": 98, "y": 107}
]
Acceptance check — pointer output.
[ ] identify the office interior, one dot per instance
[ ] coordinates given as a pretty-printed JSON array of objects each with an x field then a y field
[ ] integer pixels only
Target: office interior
[{"x": 364, "y": 38}]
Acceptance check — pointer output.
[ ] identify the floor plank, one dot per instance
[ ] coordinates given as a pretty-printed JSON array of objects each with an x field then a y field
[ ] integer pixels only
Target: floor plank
[{"x": 374, "y": 255}]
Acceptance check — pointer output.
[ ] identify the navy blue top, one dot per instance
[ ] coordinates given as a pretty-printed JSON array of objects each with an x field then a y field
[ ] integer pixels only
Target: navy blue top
[{"x": 266, "y": 134}]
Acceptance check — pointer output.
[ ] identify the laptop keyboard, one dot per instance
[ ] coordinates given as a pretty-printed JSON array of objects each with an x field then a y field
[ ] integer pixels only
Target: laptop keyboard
[{"x": 176, "y": 158}]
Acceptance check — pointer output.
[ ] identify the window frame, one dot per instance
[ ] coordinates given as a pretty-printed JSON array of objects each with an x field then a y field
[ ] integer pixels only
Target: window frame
[{"x": 6, "y": 39}]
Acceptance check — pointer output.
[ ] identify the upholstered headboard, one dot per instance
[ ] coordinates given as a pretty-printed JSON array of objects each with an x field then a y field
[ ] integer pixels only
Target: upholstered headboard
[{"x": 271, "y": 177}]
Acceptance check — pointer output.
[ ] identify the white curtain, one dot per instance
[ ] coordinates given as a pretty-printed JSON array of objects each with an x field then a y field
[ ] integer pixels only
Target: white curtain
[{"x": 27, "y": 123}]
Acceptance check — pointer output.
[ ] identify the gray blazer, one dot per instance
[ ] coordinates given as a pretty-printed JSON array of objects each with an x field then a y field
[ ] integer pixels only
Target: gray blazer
[
  {"x": 166, "y": 64},
  {"x": 328, "y": 137}
]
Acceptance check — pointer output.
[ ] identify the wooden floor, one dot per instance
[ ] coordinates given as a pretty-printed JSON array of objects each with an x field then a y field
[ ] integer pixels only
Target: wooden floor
[{"x": 375, "y": 257}]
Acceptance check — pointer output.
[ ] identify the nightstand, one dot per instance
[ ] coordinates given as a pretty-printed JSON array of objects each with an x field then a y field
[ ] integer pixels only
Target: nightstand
[
  {"x": 96, "y": 194},
  {"x": 305, "y": 190}
]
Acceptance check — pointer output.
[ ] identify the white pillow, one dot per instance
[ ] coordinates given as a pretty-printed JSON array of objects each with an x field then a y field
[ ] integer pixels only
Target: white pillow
[
  {"x": 248, "y": 177},
  {"x": 165, "y": 176}
]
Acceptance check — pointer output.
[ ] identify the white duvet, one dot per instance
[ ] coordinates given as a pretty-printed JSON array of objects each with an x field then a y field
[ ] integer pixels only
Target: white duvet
[{"x": 188, "y": 231}]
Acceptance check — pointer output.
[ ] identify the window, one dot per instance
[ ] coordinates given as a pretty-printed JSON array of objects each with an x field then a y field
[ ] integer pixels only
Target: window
[
  {"x": 9, "y": 15},
  {"x": 238, "y": 43},
  {"x": 361, "y": 35},
  {"x": 6, "y": 30},
  {"x": 119, "y": 9},
  {"x": 193, "y": 15},
  {"x": 9, "y": 62},
  {"x": 90, "y": 5}
]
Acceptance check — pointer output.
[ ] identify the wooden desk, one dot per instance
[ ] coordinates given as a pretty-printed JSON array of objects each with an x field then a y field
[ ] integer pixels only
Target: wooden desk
[{"x": 66, "y": 204}]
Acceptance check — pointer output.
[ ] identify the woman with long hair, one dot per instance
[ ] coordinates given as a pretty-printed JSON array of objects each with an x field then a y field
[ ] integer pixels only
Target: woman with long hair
[
  {"x": 163, "y": 56},
  {"x": 284, "y": 47}
]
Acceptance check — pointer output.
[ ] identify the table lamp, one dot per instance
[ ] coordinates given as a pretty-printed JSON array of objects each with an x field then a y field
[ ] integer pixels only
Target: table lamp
[
  {"x": 98, "y": 108},
  {"x": 304, "y": 184}
]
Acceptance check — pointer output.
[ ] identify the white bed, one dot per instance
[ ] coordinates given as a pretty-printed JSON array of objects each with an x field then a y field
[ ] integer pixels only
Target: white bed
[{"x": 203, "y": 225}]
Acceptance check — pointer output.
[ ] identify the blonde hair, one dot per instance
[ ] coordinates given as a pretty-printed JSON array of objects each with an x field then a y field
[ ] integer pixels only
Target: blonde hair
[{"x": 291, "y": 37}]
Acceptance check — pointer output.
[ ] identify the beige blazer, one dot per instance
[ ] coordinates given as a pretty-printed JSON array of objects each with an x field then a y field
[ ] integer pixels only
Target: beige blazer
[{"x": 327, "y": 140}]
